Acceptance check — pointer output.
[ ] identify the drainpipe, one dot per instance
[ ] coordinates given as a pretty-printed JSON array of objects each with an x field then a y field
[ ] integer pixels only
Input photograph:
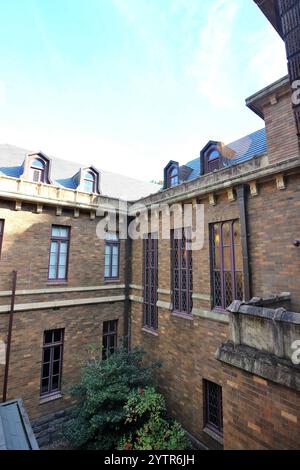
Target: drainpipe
[
  {"x": 127, "y": 305},
  {"x": 9, "y": 334},
  {"x": 240, "y": 190}
]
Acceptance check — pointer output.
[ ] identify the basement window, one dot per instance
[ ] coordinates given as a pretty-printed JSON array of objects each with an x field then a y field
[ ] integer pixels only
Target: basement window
[
  {"x": 213, "y": 407},
  {"x": 110, "y": 338}
]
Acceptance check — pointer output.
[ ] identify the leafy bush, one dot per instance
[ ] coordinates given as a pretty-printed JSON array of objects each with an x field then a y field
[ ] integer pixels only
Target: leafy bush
[
  {"x": 146, "y": 412},
  {"x": 99, "y": 418}
]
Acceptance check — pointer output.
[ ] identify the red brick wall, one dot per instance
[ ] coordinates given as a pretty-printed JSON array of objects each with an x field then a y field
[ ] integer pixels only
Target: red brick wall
[
  {"x": 259, "y": 414},
  {"x": 281, "y": 129}
]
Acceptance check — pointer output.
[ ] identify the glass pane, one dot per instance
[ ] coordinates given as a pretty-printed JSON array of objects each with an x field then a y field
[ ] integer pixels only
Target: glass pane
[
  {"x": 114, "y": 271},
  {"x": 46, "y": 357},
  {"x": 55, "y": 382},
  {"x": 62, "y": 272},
  {"x": 46, "y": 368},
  {"x": 48, "y": 337},
  {"x": 37, "y": 164},
  {"x": 61, "y": 232},
  {"x": 217, "y": 258},
  {"x": 53, "y": 259},
  {"x": 52, "y": 272},
  {"x": 54, "y": 247},
  {"x": 238, "y": 258},
  {"x": 107, "y": 271},
  {"x": 62, "y": 259},
  {"x": 227, "y": 259},
  {"x": 105, "y": 326},
  {"x": 45, "y": 385},
  {"x": 56, "y": 367},
  {"x": 115, "y": 260},
  {"x": 107, "y": 249},
  {"x": 57, "y": 335},
  {"x": 115, "y": 250},
  {"x": 110, "y": 236},
  {"x": 107, "y": 259},
  {"x": 56, "y": 353},
  {"x": 226, "y": 233},
  {"x": 88, "y": 186},
  {"x": 64, "y": 247}
]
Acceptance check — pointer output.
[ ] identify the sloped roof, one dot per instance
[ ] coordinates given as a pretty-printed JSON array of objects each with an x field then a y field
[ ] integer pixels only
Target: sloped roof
[
  {"x": 245, "y": 149},
  {"x": 15, "y": 429},
  {"x": 63, "y": 173}
]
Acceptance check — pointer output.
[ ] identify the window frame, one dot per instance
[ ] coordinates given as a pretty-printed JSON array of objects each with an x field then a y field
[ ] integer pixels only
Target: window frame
[
  {"x": 219, "y": 430},
  {"x": 51, "y": 346},
  {"x": 171, "y": 176},
  {"x": 109, "y": 334},
  {"x": 110, "y": 244},
  {"x": 222, "y": 308},
  {"x": 188, "y": 269},
  {"x": 57, "y": 279},
  {"x": 42, "y": 171},
  {"x": 92, "y": 179},
  {"x": 152, "y": 316}
]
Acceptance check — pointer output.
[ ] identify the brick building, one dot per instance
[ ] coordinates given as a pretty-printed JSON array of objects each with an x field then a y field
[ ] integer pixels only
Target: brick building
[{"x": 223, "y": 319}]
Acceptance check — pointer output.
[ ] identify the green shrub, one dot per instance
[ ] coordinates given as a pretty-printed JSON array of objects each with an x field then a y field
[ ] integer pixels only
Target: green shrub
[
  {"x": 147, "y": 425},
  {"x": 99, "y": 418}
]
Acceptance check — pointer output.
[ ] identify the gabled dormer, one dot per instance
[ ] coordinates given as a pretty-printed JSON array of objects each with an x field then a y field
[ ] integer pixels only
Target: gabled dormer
[
  {"x": 88, "y": 180},
  {"x": 214, "y": 156},
  {"x": 171, "y": 175},
  {"x": 37, "y": 168}
]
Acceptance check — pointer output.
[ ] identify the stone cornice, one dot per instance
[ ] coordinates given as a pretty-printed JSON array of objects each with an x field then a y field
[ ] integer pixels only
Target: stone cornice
[{"x": 220, "y": 181}]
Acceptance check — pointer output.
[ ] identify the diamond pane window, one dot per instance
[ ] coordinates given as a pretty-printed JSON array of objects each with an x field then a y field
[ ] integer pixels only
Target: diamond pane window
[
  {"x": 227, "y": 263},
  {"x": 150, "y": 281},
  {"x": 182, "y": 272},
  {"x": 213, "y": 407}
]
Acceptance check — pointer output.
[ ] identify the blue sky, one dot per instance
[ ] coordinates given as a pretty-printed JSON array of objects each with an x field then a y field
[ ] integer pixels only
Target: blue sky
[{"x": 128, "y": 85}]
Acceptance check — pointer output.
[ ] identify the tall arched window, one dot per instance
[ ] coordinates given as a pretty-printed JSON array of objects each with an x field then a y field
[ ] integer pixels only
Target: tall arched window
[
  {"x": 173, "y": 176},
  {"x": 89, "y": 182},
  {"x": 38, "y": 171}
]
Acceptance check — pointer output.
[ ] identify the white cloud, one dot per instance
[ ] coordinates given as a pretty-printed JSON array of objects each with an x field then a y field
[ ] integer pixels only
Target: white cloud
[
  {"x": 214, "y": 61},
  {"x": 269, "y": 63}
]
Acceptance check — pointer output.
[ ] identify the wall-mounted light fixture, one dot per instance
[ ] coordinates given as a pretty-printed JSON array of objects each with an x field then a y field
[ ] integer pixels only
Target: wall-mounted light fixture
[{"x": 297, "y": 243}]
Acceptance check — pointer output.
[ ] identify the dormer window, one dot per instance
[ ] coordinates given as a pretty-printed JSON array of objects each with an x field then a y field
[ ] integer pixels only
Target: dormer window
[
  {"x": 38, "y": 171},
  {"x": 173, "y": 176},
  {"x": 89, "y": 182},
  {"x": 212, "y": 158}
]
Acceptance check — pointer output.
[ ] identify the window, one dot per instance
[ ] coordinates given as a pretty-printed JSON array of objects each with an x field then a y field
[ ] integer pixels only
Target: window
[
  {"x": 110, "y": 337},
  {"x": 213, "y": 408},
  {"x": 1, "y": 234},
  {"x": 38, "y": 171},
  {"x": 173, "y": 176},
  {"x": 89, "y": 182},
  {"x": 52, "y": 361},
  {"x": 112, "y": 252},
  {"x": 150, "y": 281},
  {"x": 227, "y": 265},
  {"x": 212, "y": 160},
  {"x": 59, "y": 253},
  {"x": 182, "y": 272}
]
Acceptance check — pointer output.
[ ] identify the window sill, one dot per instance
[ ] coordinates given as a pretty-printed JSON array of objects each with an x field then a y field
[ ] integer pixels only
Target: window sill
[
  {"x": 214, "y": 435},
  {"x": 49, "y": 398},
  {"x": 185, "y": 316},
  {"x": 112, "y": 280},
  {"x": 150, "y": 331},
  {"x": 55, "y": 283}
]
